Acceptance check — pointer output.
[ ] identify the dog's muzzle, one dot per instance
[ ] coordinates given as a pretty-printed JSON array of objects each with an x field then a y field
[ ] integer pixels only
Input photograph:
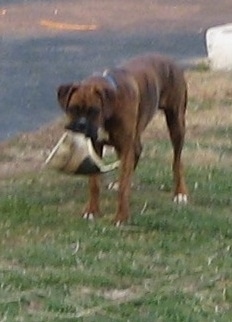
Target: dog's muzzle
[
  {"x": 79, "y": 125},
  {"x": 83, "y": 126}
]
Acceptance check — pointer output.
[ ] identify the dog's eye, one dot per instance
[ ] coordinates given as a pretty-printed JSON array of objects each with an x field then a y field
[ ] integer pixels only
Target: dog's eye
[
  {"x": 93, "y": 112},
  {"x": 74, "y": 111}
]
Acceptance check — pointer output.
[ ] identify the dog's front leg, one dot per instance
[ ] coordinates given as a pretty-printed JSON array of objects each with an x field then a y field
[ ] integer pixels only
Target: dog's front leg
[
  {"x": 125, "y": 180},
  {"x": 92, "y": 209}
]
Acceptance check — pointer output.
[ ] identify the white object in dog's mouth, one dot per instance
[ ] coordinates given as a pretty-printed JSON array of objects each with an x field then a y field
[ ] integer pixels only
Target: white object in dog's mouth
[{"x": 74, "y": 153}]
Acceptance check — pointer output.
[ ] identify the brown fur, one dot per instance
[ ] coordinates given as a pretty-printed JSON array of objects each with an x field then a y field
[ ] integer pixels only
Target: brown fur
[{"x": 124, "y": 100}]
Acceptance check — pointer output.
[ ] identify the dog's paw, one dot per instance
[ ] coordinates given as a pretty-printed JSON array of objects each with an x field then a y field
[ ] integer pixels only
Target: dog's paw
[
  {"x": 181, "y": 198},
  {"x": 118, "y": 223},
  {"x": 88, "y": 216},
  {"x": 113, "y": 186}
]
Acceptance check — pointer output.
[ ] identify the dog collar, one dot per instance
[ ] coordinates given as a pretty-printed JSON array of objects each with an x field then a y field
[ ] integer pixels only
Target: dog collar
[{"x": 110, "y": 79}]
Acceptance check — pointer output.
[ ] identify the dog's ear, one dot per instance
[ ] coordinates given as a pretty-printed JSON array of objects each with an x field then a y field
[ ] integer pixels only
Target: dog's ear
[
  {"x": 107, "y": 96},
  {"x": 64, "y": 94}
]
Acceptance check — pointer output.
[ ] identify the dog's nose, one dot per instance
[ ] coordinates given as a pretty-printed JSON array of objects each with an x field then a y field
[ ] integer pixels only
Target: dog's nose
[
  {"x": 79, "y": 125},
  {"x": 82, "y": 124}
]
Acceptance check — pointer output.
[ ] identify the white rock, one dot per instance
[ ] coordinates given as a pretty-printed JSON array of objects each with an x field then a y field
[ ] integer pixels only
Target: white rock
[{"x": 219, "y": 47}]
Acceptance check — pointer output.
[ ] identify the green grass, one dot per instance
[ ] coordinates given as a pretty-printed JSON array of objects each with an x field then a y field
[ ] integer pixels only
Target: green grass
[{"x": 169, "y": 263}]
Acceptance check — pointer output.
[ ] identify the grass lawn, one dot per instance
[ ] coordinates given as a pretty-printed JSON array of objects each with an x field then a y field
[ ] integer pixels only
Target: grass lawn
[{"x": 170, "y": 263}]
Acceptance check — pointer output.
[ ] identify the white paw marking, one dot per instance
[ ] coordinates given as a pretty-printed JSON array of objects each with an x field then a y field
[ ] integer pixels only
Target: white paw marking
[
  {"x": 88, "y": 216},
  {"x": 113, "y": 186},
  {"x": 181, "y": 199},
  {"x": 118, "y": 224}
]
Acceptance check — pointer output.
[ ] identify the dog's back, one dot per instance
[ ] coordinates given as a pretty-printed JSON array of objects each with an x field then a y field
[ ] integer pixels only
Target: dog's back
[{"x": 160, "y": 82}]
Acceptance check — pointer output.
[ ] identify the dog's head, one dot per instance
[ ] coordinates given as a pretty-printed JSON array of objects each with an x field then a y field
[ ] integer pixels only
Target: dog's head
[{"x": 87, "y": 105}]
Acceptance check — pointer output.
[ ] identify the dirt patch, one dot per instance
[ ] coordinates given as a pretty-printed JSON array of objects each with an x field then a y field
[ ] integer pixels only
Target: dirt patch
[{"x": 28, "y": 151}]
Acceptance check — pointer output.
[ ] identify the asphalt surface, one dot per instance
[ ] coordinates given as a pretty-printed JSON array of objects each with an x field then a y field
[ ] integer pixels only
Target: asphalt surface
[{"x": 35, "y": 57}]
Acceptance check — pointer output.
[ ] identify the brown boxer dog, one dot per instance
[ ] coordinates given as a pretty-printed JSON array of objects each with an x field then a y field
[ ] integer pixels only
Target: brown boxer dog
[{"x": 120, "y": 103}]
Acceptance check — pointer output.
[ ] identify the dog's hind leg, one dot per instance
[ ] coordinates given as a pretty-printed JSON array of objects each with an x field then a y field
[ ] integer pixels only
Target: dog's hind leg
[
  {"x": 138, "y": 151},
  {"x": 175, "y": 119}
]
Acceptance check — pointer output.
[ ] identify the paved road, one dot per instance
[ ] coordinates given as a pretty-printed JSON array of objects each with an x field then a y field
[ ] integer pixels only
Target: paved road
[{"x": 35, "y": 58}]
